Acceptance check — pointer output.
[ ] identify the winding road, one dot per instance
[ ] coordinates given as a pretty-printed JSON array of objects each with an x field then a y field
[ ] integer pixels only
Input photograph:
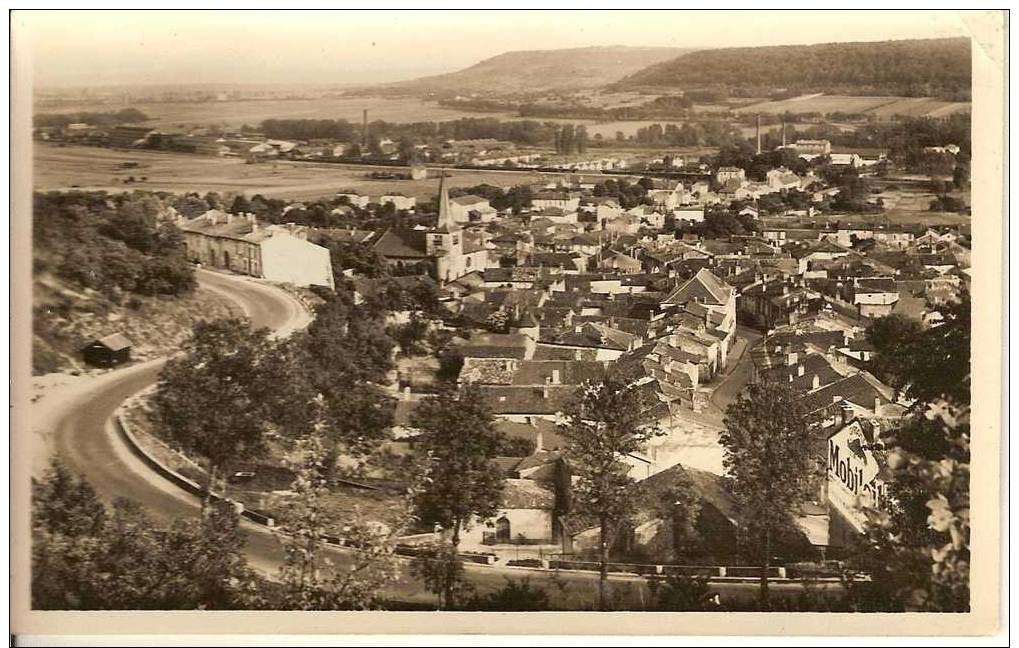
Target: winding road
[{"x": 75, "y": 422}]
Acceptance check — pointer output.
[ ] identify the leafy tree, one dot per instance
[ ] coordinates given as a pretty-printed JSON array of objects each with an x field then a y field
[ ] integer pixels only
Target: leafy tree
[
  {"x": 960, "y": 175},
  {"x": 456, "y": 445},
  {"x": 893, "y": 338},
  {"x": 114, "y": 245},
  {"x": 767, "y": 456},
  {"x": 344, "y": 356},
  {"x": 441, "y": 569},
  {"x": 310, "y": 580},
  {"x": 95, "y": 560},
  {"x": 190, "y": 205},
  {"x": 65, "y": 504},
  {"x": 604, "y": 424},
  {"x": 240, "y": 205},
  {"x": 680, "y": 506},
  {"x": 210, "y": 400},
  {"x": 451, "y": 361},
  {"x": 410, "y": 335},
  {"x": 931, "y": 363},
  {"x": 917, "y": 550}
]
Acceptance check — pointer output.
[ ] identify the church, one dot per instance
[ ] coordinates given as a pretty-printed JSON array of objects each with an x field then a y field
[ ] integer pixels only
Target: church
[{"x": 442, "y": 252}]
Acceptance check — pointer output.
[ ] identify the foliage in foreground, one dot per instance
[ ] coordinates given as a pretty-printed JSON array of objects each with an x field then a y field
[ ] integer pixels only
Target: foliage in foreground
[{"x": 85, "y": 557}]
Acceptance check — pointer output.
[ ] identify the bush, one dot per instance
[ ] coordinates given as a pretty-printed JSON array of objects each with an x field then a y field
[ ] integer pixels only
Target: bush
[
  {"x": 516, "y": 596},
  {"x": 680, "y": 593}
]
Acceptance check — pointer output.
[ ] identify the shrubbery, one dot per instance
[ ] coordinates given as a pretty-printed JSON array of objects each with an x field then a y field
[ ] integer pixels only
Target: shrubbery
[{"x": 110, "y": 243}]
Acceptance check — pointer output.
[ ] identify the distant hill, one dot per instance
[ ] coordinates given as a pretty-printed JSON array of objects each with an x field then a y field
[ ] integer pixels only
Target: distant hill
[
  {"x": 541, "y": 71},
  {"x": 934, "y": 67}
]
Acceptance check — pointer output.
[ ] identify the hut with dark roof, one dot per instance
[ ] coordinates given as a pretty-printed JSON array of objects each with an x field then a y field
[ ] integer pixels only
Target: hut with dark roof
[{"x": 110, "y": 351}]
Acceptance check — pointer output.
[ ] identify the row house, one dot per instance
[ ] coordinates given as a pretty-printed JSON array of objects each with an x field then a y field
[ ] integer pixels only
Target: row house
[{"x": 239, "y": 243}]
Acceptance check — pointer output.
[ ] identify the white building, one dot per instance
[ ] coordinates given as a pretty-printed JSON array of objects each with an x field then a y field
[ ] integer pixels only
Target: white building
[
  {"x": 238, "y": 242},
  {"x": 398, "y": 200},
  {"x": 472, "y": 209}
]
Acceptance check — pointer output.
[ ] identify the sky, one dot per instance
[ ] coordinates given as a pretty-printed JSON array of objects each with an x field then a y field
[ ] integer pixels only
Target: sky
[{"x": 97, "y": 48}]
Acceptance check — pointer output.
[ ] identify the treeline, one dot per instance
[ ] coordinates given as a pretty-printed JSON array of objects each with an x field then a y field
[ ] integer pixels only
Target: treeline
[
  {"x": 521, "y": 132},
  {"x": 912, "y": 68},
  {"x": 120, "y": 243},
  {"x": 59, "y": 120},
  {"x": 700, "y": 133}
]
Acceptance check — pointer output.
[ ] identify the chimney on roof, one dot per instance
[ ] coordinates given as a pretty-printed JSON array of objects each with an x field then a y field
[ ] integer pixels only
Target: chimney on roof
[
  {"x": 799, "y": 370},
  {"x": 791, "y": 358},
  {"x": 847, "y": 414},
  {"x": 816, "y": 382},
  {"x": 544, "y": 391},
  {"x": 877, "y": 403},
  {"x": 556, "y": 379}
]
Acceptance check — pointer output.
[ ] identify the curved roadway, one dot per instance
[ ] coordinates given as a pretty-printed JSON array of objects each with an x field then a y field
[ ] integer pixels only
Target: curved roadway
[{"x": 79, "y": 426}]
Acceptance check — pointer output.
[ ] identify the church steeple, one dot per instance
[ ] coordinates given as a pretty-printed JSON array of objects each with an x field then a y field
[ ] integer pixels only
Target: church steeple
[{"x": 445, "y": 221}]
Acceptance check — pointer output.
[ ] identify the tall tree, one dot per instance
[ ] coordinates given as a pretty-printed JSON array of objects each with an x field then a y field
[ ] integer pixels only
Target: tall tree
[
  {"x": 917, "y": 549},
  {"x": 456, "y": 446},
  {"x": 767, "y": 455},
  {"x": 605, "y": 423},
  {"x": 679, "y": 507},
  {"x": 211, "y": 400},
  {"x": 893, "y": 337},
  {"x": 311, "y": 581}
]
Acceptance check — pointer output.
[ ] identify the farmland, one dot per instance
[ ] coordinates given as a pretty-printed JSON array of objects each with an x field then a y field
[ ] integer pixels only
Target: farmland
[
  {"x": 234, "y": 114},
  {"x": 881, "y": 107},
  {"x": 102, "y": 169}
]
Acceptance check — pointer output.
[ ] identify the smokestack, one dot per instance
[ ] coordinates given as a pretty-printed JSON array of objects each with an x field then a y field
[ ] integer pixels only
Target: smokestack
[
  {"x": 758, "y": 134},
  {"x": 783, "y": 133}
]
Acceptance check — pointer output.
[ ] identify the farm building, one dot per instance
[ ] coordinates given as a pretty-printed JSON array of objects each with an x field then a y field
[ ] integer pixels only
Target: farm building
[{"x": 109, "y": 351}]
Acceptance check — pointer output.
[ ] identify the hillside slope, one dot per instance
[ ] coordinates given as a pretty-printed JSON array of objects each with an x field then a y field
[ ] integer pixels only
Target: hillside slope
[
  {"x": 933, "y": 67},
  {"x": 541, "y": 71}
]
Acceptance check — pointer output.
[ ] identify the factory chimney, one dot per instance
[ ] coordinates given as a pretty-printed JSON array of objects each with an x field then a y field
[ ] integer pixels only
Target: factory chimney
[
  {"x": 758, "y": 134},
  {"x": 783, "y": 134}
]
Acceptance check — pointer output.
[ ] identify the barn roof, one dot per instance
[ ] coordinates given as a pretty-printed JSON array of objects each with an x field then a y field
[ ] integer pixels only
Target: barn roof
[{"x": 115, "y": 342}]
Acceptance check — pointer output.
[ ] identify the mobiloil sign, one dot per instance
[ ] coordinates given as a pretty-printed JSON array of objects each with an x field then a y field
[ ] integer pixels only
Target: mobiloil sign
[{"x": 853, "y": 482}]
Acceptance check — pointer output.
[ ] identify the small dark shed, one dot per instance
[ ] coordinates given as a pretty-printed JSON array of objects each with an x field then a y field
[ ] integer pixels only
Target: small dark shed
[{"x": 109, "y": 351}]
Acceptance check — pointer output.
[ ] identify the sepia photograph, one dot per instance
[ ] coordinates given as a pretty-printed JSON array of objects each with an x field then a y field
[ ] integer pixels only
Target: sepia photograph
[{"x": 396, "y": 312}]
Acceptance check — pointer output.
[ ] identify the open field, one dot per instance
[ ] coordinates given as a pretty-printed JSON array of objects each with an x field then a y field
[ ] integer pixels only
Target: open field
[
  {"x": 907, "y": 217},
  {"x": 234, "y": 114},
  {"x": 99, "y": 169},
  {"x": 882, "y": 107}
]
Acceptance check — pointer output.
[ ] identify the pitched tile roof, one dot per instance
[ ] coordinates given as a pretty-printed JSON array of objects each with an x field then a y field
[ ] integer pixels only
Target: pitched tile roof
[
  {"x": 512, "y": 399},
  {"x": 402, "y": 242},
  {"x": 855, "y": 389}
]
